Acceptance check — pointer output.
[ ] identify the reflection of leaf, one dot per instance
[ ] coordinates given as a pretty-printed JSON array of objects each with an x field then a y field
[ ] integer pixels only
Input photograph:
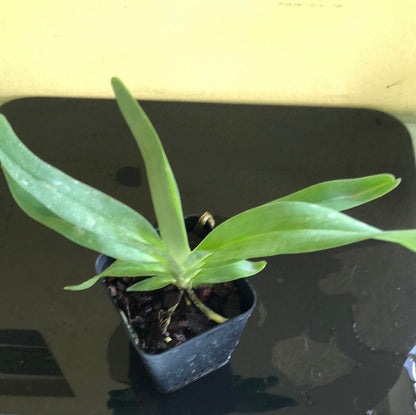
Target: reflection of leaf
[
  {"x": 219, "y": 393},
  {"x": 259, "y": 384},
  {"x": 251, "y": 395},
  {"x": 124, "y": 402},
  {"x": 306, "y": 362}
]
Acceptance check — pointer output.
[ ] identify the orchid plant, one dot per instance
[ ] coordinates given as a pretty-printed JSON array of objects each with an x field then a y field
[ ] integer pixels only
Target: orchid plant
[{"x": 305, "y": 221}]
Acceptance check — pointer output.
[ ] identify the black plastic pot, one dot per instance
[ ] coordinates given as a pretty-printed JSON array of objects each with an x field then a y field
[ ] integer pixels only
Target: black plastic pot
[{"x": 196, "y": 357}]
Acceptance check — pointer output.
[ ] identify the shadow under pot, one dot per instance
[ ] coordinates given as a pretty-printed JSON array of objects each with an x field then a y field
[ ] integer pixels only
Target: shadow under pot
[{"x": 191, "y": 345}]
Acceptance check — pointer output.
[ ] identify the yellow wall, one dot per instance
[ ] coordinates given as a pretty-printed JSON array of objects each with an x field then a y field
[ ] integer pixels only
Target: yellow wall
[{"x": 319, "y": 52}]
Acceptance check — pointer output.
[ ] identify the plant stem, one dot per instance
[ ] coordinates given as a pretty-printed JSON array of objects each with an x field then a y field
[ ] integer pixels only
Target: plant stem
[{"x": 212, "y": 315}]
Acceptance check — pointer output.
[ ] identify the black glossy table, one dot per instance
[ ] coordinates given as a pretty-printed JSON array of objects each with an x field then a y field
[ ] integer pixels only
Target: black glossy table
[{"x": 332, "y": 332}]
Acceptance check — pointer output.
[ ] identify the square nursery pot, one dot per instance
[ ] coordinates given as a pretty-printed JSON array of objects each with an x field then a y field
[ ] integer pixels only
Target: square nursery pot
[{"x": 187, "y": 362}]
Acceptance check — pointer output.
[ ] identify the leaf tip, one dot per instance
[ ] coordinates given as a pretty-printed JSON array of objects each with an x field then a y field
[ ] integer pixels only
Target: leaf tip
[
  {"x": 262, "y": 264},
  {"x": 79, "y": 287},
  {"x": 117, "y": 85},
  {"x": 394, "y": 180}
]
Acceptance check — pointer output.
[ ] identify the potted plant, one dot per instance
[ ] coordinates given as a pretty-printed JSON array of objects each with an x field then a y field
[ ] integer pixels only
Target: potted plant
[{"x": 140, "y": 261}]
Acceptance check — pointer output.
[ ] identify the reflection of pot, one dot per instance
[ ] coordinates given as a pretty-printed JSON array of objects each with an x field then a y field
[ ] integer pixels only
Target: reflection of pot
[
  {"x": 232, "y": 394},
  {"x": 189, "y": 361}
]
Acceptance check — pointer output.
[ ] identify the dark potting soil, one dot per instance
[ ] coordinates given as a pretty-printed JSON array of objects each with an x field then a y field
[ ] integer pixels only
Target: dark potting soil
[{"x": 148, "y": 312}]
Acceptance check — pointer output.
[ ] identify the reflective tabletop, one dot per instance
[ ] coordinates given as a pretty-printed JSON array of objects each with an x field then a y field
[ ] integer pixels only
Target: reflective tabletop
[{"x": 332, "y": 333}]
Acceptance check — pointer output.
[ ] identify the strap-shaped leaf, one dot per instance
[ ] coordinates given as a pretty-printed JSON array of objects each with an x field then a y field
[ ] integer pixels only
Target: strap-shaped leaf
[
  {"x": 152, "y": 283},
  {"x": 196, "y": 260},
  {"x": 229, "y": 272},
  {"x": 78, "y": 211},
  {"x": 163, "y": 187},
  {"x": 136, "y": 253},
  {"x": 120, "y": 269},
  {"x": 407, "y": 238},
  {"x": 344, "y": 194},
  {"x": 283, "y": 228}
]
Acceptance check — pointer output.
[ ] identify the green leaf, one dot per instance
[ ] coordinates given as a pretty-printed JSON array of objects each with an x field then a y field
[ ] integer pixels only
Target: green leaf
[
  {"x": 344, "y": 194},
  {"x": 153, "y": 283},
  {"x": 77, "y": 211},
  {"x": 120, "y": 269},
  {"x": 138, "y": 253},
  {"x": 196, "y": 259},
  {"x": 406, "y": 238},
  {"x": 229, "y": 272},
  {"x": 192, "y": 265},
  {"x": 163, "y": 187},
  {"x": 283, "y": 228}
]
